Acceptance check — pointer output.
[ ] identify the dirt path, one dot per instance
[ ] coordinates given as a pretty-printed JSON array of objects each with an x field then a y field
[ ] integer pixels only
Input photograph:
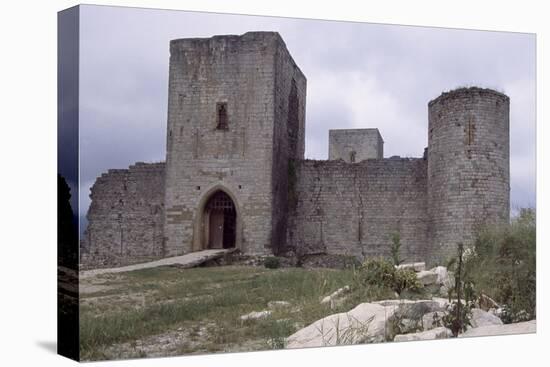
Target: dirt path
[{"x": 185, "y": 261}]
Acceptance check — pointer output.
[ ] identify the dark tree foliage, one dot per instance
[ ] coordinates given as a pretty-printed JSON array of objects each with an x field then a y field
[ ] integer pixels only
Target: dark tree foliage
[
  {"x": 67, "y": 274},
  {"x": 67, "y": 228}
]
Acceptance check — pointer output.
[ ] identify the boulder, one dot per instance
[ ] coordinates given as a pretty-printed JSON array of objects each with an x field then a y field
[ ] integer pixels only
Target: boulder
[
  {"x": 444, "y": 277},
  {"x": 406, "y": 326},
  {"x": 413, "y": 266},
  {"x": 427, "y": 277},
  {"x": 444, "y": 291},
  {"x": 337, "y": 293},
  {"x": 256, "y": 315},
  {"x": 366, "y": 323},
  {"x": 336, "y": 298},
  {"x": 506, "y": 329},
  {"x": 414, "y": 309},
  {"x": 442, "y": 302},
  {"x": 432, "y": 320},
  {"x": 483, "y": 318},
  {"x": 446, "y": 305},
  {"x": 437, "y": 333},
  {"x": 497, "y": 312},
  {"x": 486, "y": 303}
]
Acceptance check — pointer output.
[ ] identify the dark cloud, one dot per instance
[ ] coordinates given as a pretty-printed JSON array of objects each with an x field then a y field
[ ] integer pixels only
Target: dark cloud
[{"x": 359, "y": 75}]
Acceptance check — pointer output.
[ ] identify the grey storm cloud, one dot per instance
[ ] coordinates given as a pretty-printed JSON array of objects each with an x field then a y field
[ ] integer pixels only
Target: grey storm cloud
[{"x": 359, "y": 75}]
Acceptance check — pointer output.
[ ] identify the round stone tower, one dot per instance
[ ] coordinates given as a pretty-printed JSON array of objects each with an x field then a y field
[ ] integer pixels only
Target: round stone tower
[{"x": 468, "y": 167}]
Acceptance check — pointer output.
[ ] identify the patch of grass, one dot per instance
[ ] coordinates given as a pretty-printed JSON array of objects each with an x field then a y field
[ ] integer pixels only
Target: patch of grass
[
  {"x": 178, "y": 298},
  {"x": 272, "y": 262},
  {"x": 502, "y": 264},
  {"x": 157, "y": 301},
  {"x": 378, "y": 271}
]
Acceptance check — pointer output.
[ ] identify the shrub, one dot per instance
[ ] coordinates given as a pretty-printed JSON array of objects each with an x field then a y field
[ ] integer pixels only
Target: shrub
[
  {"x": 405, "y": 279},
  {"x": 378, "y": 271},
  {"x": 458, "y": 322},
  {"x": 395, "y": 246},
  {"x": 272, "y": 262},
  {"x": 381, "y": 272},
  {"x": 503, "y": 266},
  {"x": 460, "y": 312}
]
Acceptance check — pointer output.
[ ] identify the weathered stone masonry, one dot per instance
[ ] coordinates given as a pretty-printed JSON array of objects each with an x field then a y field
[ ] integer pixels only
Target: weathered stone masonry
[
  {"x": 468, "y": 165},
  {"x": 126, "y": 216},
  {"x": 352, "y": 209},
  {"x": 236, "y": 126}
]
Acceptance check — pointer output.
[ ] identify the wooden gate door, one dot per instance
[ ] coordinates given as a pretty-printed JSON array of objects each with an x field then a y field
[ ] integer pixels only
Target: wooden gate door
[{"x": 216, "y": 229}]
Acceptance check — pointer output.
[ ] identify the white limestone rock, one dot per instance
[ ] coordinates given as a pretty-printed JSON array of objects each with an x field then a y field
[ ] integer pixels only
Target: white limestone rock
[
  {"x": 408, "y": 326},
  {"x": 483, "y": 318},
  {"x": 445, "y": 280},
  {"x": 442, "y": 302},
  {"x": 432, "y": 320},
  {"x": 420, "y": 266},
  {"x": 444, "y": 277},
  {"x": 256, "y": 315},
  {"x": 414, "y": 309},
  {"x": 427, "y": 277},
  {"x": 366, "y": 323},
  {"x": 525, "y": 327},
  {"x": 437, "y": 333},
  {"x": 336, "y": 298},
  {"x": 486, "y": 303}
]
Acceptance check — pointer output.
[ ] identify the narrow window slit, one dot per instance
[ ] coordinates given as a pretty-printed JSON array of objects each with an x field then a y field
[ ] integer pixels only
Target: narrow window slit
[{"x": 221, "y": 113}]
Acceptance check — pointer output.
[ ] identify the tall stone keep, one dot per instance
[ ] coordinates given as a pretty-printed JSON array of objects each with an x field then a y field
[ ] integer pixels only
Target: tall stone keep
[
  {"x": 236, "y": 115},
  {"x": 468, "y": 166}
]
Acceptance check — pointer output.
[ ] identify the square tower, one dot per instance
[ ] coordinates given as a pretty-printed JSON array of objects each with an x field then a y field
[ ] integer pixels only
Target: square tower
[
  {"x": 355, "y": 145},
  {"x": 236, "y": 116}
]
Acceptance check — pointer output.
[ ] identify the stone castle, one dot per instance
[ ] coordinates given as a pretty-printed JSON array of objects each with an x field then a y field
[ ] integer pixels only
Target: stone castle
[{"x": 235, "y": 174}]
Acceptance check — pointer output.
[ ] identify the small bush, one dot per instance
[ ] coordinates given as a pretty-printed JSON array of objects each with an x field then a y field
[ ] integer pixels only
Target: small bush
[
  {"x": 378, "y": 272},
  {"x": 272, "y": 262},
  {"x": 395, "y": 247},
  {"x": 405, "y": 279},
  {"x": 458, "y": 322},
  {"x": 503, "y": 266},
  {"x": 381, "y": 272}
]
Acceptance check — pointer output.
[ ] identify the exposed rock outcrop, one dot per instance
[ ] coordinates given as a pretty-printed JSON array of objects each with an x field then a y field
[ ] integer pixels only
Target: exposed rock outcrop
[
  {"x": 366, "y": 323},
  {"x": 336, "y": 297},
  {"x": 437, "y": 333},
  {"x": 256, "y": 315},
  {"x": 483, "y": 318},
  {"x": 525, "y": 327}
]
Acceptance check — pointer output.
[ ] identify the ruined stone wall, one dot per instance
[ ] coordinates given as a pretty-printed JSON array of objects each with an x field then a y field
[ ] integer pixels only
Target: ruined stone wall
[
  {"x": 469, "y": 166},
  {"x": 125, "y": 218},
  {"x": 239, "y": 71},
  {"x": 355, "y": 145},
  {"x": 353, "y": 209}
]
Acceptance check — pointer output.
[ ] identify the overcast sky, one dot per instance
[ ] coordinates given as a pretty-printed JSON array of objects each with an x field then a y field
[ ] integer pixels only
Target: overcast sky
[{"x": 358, "y": 75}]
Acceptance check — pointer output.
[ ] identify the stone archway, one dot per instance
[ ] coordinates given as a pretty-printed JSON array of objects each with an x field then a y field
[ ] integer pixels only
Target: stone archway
[
  {"x": 221, "y": 219},
  {"x": 218, "y": 221}
]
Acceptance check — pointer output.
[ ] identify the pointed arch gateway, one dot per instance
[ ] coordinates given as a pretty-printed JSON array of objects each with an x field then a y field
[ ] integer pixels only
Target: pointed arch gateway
[{"x": 218, "y": 221}]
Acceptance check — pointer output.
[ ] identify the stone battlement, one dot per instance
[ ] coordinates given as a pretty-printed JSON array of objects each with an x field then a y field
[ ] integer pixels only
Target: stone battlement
[{"x": 468, "y": 92}]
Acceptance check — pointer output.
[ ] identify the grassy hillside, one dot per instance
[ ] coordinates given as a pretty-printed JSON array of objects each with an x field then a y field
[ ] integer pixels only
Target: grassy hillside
[{"x": 170, "y": 311}]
